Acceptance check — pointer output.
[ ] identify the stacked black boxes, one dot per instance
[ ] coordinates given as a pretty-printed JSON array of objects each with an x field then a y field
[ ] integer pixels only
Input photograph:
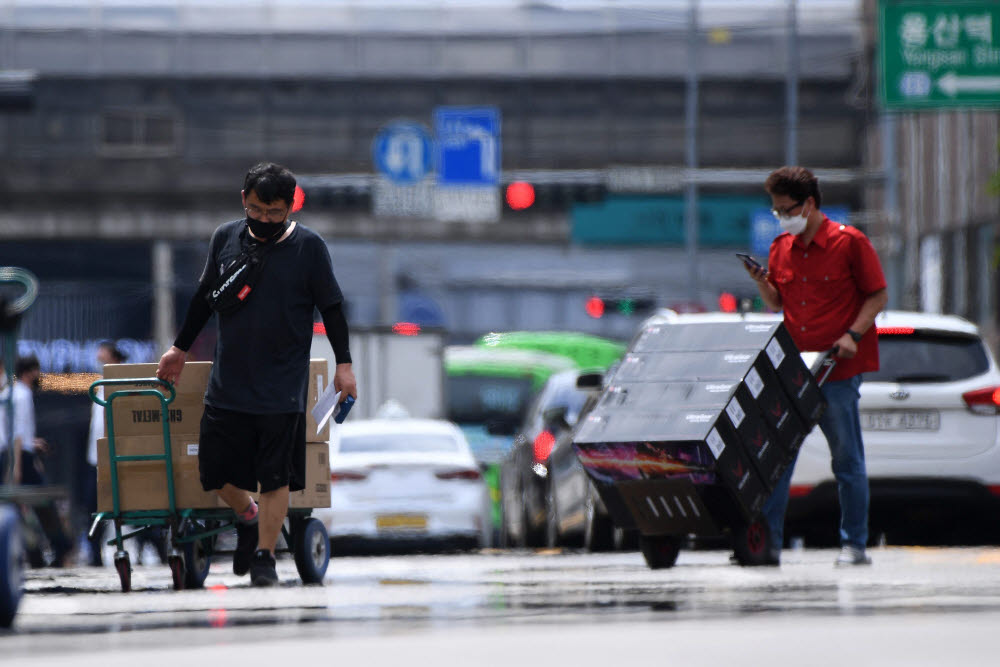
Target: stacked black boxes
[{"x": 698, "y": 423}]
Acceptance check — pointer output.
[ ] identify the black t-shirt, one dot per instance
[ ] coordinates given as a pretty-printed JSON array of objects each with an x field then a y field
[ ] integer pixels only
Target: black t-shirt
[{"x": 262, "y": 354}]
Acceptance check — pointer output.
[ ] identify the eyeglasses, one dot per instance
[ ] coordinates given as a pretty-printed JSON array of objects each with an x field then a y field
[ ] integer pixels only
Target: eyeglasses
[
  {"x": 272, "y": 214},
  {"x": 781, "y": 212}
]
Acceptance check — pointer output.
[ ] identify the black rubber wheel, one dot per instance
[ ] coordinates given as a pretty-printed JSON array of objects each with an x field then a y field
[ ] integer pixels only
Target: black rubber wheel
[
  {"x": 660, "y": 551},
  {"x": 124, "y": 567},
  {"x": 197, "y": 562},
  {"x": 312, "y": 550},
  {"x": 751, "y": 544},
  {"x": 11, "y": 565},
  {"x": 598, "y": 529}
]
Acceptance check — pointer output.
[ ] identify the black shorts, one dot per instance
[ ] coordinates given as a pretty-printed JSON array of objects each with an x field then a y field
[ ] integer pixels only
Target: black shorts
[{"x": 243, "y": 449}]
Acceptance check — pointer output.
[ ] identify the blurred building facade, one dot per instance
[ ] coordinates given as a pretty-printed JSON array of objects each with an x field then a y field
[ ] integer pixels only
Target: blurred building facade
[{"x": 145, "y": 116}]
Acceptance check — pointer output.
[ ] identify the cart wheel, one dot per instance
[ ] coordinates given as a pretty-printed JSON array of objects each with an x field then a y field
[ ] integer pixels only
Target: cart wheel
[
  {"x": 11, "y": 558},
  {"x": 660, "y": 551},
  {"x": 750, "y": 544},
  {"x": 312, "y": 551},
  {"x": 124, "y": 567},
  {"x": 177, "y": 569},
  {"x": 197, "y": 562}
]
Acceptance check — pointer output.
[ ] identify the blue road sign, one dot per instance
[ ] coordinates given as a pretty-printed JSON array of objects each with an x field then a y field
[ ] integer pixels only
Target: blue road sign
[
  {"x": 468, "y": 142},
  {"x": 764, "y": 227},
  {"x": 403, "y": 152}
]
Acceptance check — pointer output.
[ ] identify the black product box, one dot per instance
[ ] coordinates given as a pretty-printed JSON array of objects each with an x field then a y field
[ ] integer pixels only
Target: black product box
[
  {"x": 762, "y": 388},
  {"x": 759, "y": 441},
  {"x": 672, "y": 430},
  {"x": 795, "y": 377},
  {"x": 772, "y": 337}
]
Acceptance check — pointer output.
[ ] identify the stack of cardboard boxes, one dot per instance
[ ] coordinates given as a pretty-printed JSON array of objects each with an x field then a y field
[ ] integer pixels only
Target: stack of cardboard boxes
[
  {"x": 138, "y": 430},
  {"x": 698, "y": 424}
]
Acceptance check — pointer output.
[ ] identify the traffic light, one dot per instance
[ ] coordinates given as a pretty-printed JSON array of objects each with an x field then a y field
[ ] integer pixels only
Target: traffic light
[
  {"x": 597, "y": 307},
  {"x": 744, "y": 303},
  {"x": 548, "y": 191}
]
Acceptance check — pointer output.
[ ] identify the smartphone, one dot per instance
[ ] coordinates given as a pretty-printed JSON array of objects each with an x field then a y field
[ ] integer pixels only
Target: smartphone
[
  {"x": 749, "y": 261},
  {"x": 345, "y": 407}
]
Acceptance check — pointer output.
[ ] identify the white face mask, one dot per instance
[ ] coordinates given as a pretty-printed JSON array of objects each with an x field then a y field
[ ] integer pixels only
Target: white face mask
[{"x": 793, "y": 224}]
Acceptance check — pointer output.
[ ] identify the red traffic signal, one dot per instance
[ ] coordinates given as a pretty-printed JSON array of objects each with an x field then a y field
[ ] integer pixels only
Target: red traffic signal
[
  {"x": 595, "y": 307},
  {"x": 728, "y": 302},
  {"x": 520, "y": 195}
]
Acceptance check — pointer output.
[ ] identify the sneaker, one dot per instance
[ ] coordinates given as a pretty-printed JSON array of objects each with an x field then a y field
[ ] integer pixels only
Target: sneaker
[
  {"x": 262, "y": 572},
  {"x": 246, "y": 543},
  {"x": 852, "y": 556}
]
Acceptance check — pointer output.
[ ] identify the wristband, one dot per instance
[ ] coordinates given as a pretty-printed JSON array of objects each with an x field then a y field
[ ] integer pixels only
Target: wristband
[{"x": 855, "y": 335}]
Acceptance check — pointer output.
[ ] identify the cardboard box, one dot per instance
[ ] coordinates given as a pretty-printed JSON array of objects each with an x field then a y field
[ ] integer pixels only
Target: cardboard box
[
  {"x": 317, "y": 491},
  {"x": 319, "y": 378},
  {"x": 142, "y": 415},
  {"x": 142, "y": 485}
]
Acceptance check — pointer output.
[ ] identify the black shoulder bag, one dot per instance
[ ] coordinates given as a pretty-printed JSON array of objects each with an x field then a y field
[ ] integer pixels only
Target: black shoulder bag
[{"x": 237, "y": 282}]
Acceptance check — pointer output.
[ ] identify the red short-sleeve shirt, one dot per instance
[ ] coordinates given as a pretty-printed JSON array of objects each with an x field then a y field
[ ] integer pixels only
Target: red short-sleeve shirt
[{"x": 822, "y": 287}]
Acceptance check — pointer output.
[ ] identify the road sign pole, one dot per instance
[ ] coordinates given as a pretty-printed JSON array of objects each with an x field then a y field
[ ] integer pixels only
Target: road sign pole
[{"x": 691, "y": 155}]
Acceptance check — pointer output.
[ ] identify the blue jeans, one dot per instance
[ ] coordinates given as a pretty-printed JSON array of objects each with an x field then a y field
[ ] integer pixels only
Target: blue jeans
[{"x": 841, "y": 425}]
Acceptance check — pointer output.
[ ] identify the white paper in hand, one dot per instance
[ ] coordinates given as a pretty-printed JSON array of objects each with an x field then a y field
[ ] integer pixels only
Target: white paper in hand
[{"x": 327, "y": 406}]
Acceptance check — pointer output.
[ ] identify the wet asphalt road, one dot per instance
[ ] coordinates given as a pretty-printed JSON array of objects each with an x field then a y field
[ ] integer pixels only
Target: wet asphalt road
[{"x": 912, "y": 606}]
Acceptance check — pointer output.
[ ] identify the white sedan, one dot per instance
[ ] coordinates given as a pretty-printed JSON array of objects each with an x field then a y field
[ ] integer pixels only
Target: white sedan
[{"x": 404, "y": 482}]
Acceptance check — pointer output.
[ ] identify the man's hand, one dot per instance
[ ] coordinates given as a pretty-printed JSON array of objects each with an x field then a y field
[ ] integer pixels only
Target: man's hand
[
  {"x": 171, "y": 364},
  {"x": 344, "y": 382},
  {"x": 42, "y": 447},
  {"x": 846, "y": 347}
]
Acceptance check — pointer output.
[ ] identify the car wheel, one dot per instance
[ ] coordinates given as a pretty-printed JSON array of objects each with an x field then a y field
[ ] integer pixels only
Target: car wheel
[
  {"x": 598, "y": 529},
  {"x": 551, "y": 519},
  {"x": 660, "y": 551}
]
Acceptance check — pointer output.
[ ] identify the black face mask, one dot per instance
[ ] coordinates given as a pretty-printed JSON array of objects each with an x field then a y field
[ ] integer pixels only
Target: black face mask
[{"x": 266, "y": 231}]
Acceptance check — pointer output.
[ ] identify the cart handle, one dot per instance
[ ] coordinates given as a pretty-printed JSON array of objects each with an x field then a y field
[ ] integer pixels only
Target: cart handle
[
  {"x": 824, "y": 366},
  {"x": 141, "y": 382},
  {"x": 15, "y": 275}
]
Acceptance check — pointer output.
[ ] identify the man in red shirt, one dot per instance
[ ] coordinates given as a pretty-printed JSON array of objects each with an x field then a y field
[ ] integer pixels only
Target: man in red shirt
[{"x": 828, "y": 280}]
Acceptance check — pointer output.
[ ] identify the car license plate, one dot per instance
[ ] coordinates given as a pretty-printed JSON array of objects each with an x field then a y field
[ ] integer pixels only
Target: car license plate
[
  {"x": 401, "y": 522},
  {"x": 901, "y": 420}
]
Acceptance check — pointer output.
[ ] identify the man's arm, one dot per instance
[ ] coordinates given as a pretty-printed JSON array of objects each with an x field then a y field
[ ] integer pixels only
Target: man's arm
[
  {"x": 172, "y": 362},
  {"x": 870, "y": 308},
  {"x": 337, "y": 332}
]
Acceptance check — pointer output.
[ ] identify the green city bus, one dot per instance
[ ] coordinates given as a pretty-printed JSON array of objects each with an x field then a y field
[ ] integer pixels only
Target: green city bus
[{"x": 586, "y": 350}]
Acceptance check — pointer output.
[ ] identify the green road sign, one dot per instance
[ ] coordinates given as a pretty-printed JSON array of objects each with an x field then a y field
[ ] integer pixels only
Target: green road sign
[{"x": 939, "y": 53}]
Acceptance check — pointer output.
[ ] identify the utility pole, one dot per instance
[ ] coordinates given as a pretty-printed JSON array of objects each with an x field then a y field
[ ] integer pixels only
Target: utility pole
[
  {"x": 691, "y": 154},
  {"x": 792, "y": 86}
]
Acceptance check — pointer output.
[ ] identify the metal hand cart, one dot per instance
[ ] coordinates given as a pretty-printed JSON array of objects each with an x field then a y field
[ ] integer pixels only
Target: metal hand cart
[
  {"x": 11, "y": 541},
  {"x": 193, "y": 533},
  {"x": 695, "y": 430}
]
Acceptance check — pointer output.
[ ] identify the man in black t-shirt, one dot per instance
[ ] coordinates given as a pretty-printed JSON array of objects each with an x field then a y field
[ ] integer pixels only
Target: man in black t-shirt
[{"x": 253, "y": 429}]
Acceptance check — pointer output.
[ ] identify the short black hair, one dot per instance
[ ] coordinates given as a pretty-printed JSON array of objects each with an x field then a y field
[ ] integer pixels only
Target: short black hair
[
  {"x": 117, "y": 355},
  {"x": 26, "y": 364},
  {"x": 795, "y": 182},
  {"x": 271, "y": 182}
]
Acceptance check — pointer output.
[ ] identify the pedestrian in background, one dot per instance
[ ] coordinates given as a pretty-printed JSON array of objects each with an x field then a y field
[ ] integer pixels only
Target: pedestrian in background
[
  {"x": 264, "y": 277},
  {"x": 29, "y": 453},
  {"x": 828, "y": 280}
]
